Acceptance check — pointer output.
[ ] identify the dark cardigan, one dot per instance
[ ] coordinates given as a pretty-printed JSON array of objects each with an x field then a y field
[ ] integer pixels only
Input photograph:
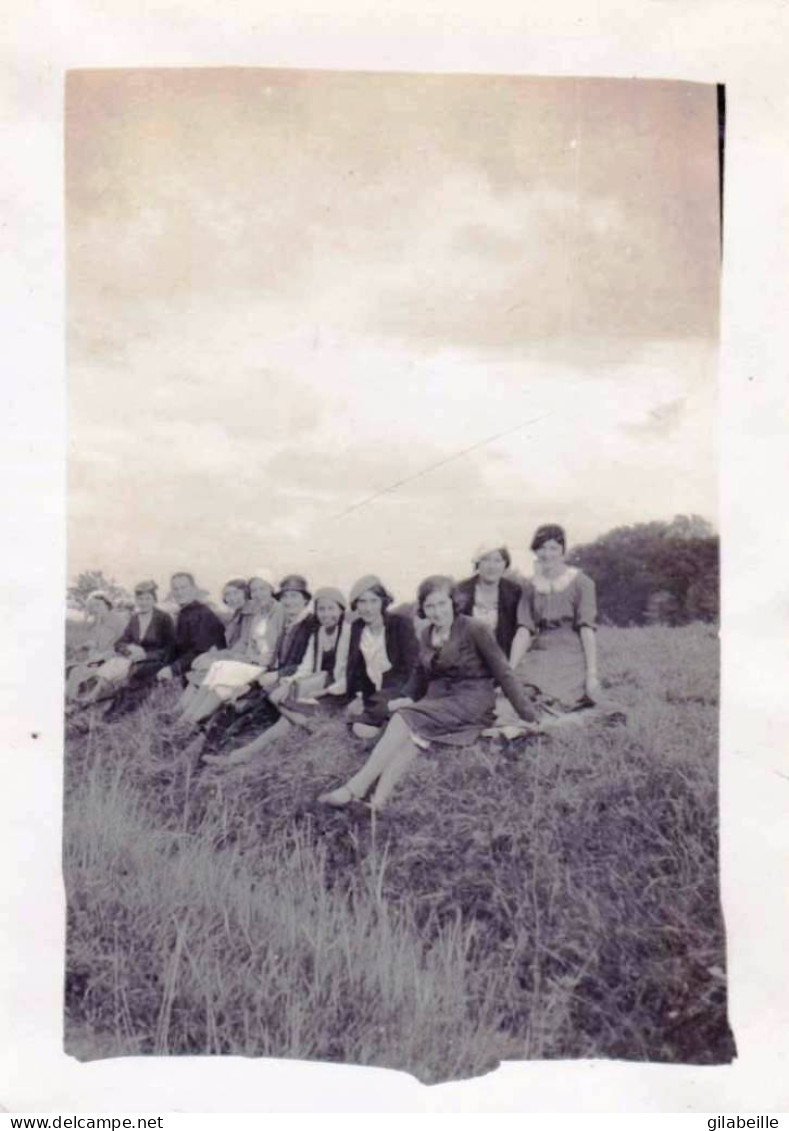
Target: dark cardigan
[
  {"x": 292, "y": 645},
  {"x": 401, "y": 648},
  {"x": 197, "y": 630},
  {"x": 509, "y": 599},
  {"x": 158, "y": 641},
  {"x": 470, "y": 654}
]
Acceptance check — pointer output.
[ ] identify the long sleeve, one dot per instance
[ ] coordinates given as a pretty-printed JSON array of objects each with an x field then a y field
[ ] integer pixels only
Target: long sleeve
[
  {"x": 162, "y": 649},
  {"x": 404, "y": 651},
  {"x": 416, "y": 684},
  {"x": 499, "y": 668},
  {"x": 354, "y": 666},
  {"x": 202, "y": 631},
  {"x": 129, "y": 634},
  {"x": 308, "y": 662},
  {"x": 339, "y": 674}
]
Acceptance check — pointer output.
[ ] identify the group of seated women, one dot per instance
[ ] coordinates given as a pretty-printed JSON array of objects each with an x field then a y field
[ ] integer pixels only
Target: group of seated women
[{"x": 493, "y": 651}]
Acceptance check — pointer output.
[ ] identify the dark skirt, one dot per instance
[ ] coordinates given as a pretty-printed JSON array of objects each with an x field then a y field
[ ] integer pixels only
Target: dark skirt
[
  {"x": 453, "y": 712},
  {"x": 137, "y": 687},
  {"x": 237, "y": 723},
  {"x": 376, "y": 707}
]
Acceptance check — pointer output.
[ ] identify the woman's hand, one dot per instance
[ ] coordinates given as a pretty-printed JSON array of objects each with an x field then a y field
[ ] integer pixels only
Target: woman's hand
[
  {"x": 135, "y": 652},
  {"x": 395, "y": 704},
  {"x": 164, "y": 674},
  {"x": 355, "y": 709},
  {"x": 268, "y": 680},
  {"x": 592, "y": 687},
  {"x": 279, "y": 693}
]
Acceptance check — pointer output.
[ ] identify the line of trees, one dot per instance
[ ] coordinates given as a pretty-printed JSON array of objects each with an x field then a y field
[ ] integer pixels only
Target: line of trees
[{"x": 655, "y": 572}]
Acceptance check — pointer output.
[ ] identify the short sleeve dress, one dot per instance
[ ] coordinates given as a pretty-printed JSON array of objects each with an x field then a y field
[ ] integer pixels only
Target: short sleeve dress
[{"x": 555, "y": 611}]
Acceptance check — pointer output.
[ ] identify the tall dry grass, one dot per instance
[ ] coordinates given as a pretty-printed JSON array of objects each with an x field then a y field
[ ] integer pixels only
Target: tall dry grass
[{"x": 557, "y": 899}]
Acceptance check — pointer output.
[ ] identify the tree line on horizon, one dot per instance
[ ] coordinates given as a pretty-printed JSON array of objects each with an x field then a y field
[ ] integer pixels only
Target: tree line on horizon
[{"x": 646, "y": 573}]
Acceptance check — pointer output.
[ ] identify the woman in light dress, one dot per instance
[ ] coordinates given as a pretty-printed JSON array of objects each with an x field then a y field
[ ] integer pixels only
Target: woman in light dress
[
  {"x": 252, "y": 636},
  {"x": 104, "y": 627},
  {"x": 558, "y": 616},
  {"x": 253, "y": 711},
  {"x": 322, "y": 672},
  {"x": 143, "y": 648}
]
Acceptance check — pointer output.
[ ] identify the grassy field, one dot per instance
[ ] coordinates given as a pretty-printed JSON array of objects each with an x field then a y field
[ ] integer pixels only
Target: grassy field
[{"x": 558, "y": 899}]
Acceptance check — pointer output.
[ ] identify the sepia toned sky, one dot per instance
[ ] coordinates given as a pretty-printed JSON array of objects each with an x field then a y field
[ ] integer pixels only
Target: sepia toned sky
[{"x": 290, "y": 291}]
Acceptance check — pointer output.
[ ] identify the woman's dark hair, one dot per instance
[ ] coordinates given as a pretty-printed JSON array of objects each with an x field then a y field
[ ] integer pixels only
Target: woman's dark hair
[
  {"x": 548, "y": 533},
  {"x": 236, "y": 583},
  {"x": 495, "y": 550},
  {"x": 386, "y": 597},
  {"x": 438, "y": 582}
]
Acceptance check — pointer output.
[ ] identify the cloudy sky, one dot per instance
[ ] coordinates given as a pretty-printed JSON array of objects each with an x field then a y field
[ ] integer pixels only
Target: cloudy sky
[{"x": 342, "y": 322}]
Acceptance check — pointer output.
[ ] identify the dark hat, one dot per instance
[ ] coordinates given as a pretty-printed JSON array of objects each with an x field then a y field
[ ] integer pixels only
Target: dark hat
[{"x": 296, "y": 582}]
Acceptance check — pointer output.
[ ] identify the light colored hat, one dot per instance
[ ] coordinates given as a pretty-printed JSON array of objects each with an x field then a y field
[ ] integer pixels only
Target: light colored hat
[
  {"x": 146, "y": 587},
  {"x": 330, "y": 593},
  {"x": 490, "y": 547},
  {"x": 369, "y": 581},
  {"x": 101, "y": 595}
]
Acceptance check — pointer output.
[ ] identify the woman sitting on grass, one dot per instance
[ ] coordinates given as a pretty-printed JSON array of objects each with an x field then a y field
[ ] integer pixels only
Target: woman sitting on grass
[
  {"x": 321, "y": 672},
  {"x": 251, "y": 635},
  {"x": 448, "y": 700},
  {"x": 494, "y": 599},
  {"x": 382, "y": 652},
  {"x": 557, "y": 641},
  {"x": 104, "y": 627},
  {"x": 144, "y": 647},
  {"x": 254, "y": 711}
]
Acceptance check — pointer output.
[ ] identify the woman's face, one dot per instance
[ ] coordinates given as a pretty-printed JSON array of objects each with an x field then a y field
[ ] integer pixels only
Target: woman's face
[
  {"x": 260, "y": 590},
  {"x": 439, "y": 609},
  {"x": 97, "y": 607},
  {"x": 491, "y": 567},
  {"x": 293, "y": 601},
  {"x": 328, "y": 613},
  {"x": 550, "y": 553},
  {"x": 145, "y": 601},
  {"x": 233, "y": 598},
  {"x": 369, "y": 606}
]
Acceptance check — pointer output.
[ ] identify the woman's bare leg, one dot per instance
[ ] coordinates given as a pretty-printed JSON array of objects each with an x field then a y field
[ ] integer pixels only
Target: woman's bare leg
[
  {"x": 392, "y": 755},
  {"x": 396, "y": 767},
  {"x": 204, "y": 704},
  {"x": 187, "y": 698},
  {"x": 251, "y": 749}
]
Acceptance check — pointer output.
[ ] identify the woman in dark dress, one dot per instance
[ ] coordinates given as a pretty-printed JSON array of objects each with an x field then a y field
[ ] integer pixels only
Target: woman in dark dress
[
  {"x": 448, "y": 700},
  {"x": 146, "y": 645},
  {"x": 382, "y": 652}
]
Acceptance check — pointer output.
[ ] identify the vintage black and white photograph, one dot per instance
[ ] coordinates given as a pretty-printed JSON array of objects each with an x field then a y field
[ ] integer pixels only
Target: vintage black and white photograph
[{"x": 392, "y": 623}]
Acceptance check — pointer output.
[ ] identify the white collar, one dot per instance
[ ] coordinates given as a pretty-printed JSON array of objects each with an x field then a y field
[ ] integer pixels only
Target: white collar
[{"x": 554, "y": 585}]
